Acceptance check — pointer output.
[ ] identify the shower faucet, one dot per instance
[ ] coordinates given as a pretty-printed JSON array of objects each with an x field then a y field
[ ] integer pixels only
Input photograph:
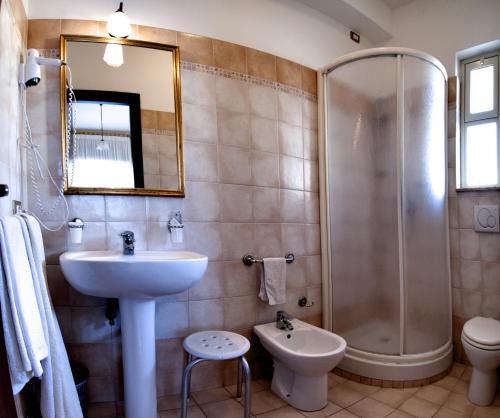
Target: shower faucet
[
  {"x": 283, "y": 321},
  {"x": 128, "y": 242}
]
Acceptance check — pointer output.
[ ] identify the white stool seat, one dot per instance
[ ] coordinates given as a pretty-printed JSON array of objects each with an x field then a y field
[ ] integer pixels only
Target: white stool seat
[{"x": 216, "y": 345}]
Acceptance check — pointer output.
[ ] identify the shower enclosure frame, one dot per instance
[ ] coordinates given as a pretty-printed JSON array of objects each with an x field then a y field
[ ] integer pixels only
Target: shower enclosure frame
[{"x": 402, "y": 367}]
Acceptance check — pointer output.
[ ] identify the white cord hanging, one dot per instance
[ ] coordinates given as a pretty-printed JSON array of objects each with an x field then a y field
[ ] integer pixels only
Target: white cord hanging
[{"x": 38, "y": 165}]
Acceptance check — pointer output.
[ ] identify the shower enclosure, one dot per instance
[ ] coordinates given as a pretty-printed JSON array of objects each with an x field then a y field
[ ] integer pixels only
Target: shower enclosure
[{"x": 384, "y": 212}]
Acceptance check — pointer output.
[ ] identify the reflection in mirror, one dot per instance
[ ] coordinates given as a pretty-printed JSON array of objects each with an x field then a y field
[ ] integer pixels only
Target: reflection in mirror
[
  {"x": 124, "y": 116},
  {"x": 106, "y": 152}
]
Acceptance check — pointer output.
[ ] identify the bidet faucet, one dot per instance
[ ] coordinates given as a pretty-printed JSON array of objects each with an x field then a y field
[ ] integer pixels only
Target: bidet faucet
[
  {"x": 128, "y": 242},
  {"x": 283, "y": 321}
]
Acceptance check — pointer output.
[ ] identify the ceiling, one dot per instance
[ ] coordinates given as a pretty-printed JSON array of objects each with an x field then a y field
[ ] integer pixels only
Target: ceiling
[{"x": 394, "y": 4}]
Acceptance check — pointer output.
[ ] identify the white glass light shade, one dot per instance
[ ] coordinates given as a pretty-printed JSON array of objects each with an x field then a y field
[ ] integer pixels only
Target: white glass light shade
[
  {"x": 119, "y": 25},
  {"x": 113, "y": 55}
]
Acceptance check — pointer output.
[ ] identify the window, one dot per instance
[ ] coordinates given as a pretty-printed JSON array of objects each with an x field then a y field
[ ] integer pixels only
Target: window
[{"x": 480, "y": 123}]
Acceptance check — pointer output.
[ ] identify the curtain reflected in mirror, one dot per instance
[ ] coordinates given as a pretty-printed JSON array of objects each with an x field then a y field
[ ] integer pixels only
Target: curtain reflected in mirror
[{"x": 103, "y": 154}]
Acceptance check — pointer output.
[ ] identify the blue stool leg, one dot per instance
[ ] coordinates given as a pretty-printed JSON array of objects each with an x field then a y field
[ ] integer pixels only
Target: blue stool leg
[
  {"x": 186, "y": 377},
  {"x": 190, "y": 358},
  {"x": 239, "y": 379},
  {"x": 248, "y": 385}
]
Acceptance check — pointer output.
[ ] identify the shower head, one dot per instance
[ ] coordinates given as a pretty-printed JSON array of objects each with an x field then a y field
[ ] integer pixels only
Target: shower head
[{"x": 29, "y": 73}]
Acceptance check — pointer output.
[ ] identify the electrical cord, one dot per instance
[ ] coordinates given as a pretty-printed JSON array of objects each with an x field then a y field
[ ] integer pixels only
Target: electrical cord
[{"x": 38, "y": 166}]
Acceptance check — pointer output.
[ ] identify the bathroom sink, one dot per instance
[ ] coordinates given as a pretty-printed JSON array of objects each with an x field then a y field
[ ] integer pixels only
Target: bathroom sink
[
  {"x": 146, "y": 274},
  {"x": 135, "y": 280}
]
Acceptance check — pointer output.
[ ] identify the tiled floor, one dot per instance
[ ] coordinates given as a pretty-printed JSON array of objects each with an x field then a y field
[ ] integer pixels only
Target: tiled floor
[{"x": 446, "y": 398}]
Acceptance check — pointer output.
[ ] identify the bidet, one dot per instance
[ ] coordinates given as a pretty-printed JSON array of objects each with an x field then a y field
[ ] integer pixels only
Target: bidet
[{"x": 303, "y": 356}]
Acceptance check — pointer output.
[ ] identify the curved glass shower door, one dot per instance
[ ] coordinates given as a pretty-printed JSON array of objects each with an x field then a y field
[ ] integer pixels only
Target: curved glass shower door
[
  {"x": 386, "y": 174},
  {"x": 362, "y": 175}
]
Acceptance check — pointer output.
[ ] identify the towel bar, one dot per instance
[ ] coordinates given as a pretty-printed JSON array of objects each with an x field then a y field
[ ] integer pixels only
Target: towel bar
[{"x": 249, "y": 259}]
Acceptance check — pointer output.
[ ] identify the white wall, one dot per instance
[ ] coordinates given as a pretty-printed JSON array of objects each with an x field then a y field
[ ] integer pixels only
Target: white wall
[
  {"x": 281, "y": 27},
  {"x": 444, "y": 27}
]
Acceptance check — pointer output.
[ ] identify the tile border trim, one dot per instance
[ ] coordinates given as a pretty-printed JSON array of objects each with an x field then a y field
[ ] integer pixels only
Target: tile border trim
[{"x": 209, "y": 69}]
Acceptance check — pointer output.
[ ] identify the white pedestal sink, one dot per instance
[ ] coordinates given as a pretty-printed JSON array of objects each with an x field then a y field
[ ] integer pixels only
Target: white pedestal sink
[{"x": 135, "y": 280}]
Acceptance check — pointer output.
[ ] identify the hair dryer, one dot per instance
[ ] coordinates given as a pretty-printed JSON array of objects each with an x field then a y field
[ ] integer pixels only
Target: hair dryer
[{"x": 29, "y": 73}]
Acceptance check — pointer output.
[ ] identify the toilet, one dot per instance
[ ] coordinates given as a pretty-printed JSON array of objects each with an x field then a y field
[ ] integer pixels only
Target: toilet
[
  {"x": 302, "y": 359},
  {"x": 481, "y": 342}
]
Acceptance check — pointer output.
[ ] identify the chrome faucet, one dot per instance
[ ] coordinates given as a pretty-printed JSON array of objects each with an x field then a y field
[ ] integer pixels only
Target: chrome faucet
[
  {"x": 283, "y": 321},
  {"x": 128, "y": 242}
]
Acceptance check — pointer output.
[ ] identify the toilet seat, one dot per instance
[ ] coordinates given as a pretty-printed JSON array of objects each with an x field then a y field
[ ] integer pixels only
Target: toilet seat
[{"x": 483, "y": 333}]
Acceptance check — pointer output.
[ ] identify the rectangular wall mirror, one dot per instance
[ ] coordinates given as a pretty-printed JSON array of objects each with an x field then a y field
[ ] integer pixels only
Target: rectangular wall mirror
[{"x": 121, "y": 126}]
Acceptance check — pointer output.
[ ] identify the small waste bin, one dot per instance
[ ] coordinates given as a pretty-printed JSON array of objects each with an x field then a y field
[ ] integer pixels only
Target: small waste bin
[{"x": 81, "y": 377}]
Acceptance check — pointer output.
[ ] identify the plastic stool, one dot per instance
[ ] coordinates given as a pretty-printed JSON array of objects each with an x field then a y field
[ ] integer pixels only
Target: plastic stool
[{"x": 216, "y": 345}]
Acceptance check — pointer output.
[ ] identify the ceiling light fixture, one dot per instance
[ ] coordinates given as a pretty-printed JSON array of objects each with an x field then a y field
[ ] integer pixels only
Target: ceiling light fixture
[{"x": 118, "y": 24}]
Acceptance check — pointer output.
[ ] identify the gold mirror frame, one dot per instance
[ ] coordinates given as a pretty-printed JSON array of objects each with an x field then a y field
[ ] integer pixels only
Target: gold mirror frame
[{"x": 178, "y": 119}]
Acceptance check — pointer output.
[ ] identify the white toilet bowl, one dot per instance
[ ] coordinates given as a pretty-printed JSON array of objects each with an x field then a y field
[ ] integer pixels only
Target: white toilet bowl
[
  {"x": 302, "y": 359},
  {"x": 481, "y": 342}
]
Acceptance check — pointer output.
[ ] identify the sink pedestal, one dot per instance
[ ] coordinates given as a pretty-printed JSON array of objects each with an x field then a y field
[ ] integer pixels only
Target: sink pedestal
[{"x": 139, "y": 357}]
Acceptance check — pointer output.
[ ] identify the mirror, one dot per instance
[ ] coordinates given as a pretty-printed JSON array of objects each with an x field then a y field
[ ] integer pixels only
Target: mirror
[{"x": 123, "y": 130}]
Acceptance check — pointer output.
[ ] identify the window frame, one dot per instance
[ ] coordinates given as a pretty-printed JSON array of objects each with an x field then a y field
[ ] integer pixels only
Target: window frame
[{"x": 491, "y": 57}]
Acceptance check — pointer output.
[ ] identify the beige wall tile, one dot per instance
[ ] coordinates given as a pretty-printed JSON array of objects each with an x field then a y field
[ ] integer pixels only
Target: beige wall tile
[
  {"x": 310, "y": 138},
  {"x": 230, "y": 56},
  {"x": 171, "y": 319},
  {"x": 293, "y": 239},
  {"x": 231, "y": 95},
  {"x": 206, "y": 314},
  {"x": 204, "y": 238},
  {"x": 238, "y": 240},
  {"x": 470, "y": 273},
  {"x": 263, "y": 101},
  {"x": 289, "y": 108},
  {"x": 309, "y": 114},
  {"x": 469, "y": 244},
  {"x": 195, "y": 48},
  {"x": 198, "y": 88},
  {"x": 490, "y": 247},
  {"x": 266, "y": 204},
  {"x": 44, "y": 33},
  {"x": 200, "y": 161},
  {"x": 289, "y": 73},
  {"x": 290, "y": 140},
  {"x": 292, "y": 206},
  {"x": 264, "y": 134},
  {"x": 202, "y": 202},
  {"x": 491, "y": 276},
  {"x": 235, "y": 165},
  {"x": 125, "y": 208},
  {"x": 265, "y": 169},
  {"x": 211, "y": 286},
  {"x": 239, "y": 312},
  {"x": 240, "y": 280},
  {"x": 261, "y": 64},
  {"x": 158, "y": 35},
  {"x": 292, "y": 173},
  {"x": 199, "y": 123},
  {"x": 267, "y": 239},
  {"x": 236, "y": 203},
  {"x": 234, "y": 128},
  {"x": 80, "y": 27},
  {"x": 309, "y": 80}
]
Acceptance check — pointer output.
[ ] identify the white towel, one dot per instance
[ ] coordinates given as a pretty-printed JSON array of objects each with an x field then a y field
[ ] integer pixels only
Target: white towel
[
  {"x": 25, "y": 311},
  {"x": 273, "y": 281},
  {"x": 59, "y": 398}
]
